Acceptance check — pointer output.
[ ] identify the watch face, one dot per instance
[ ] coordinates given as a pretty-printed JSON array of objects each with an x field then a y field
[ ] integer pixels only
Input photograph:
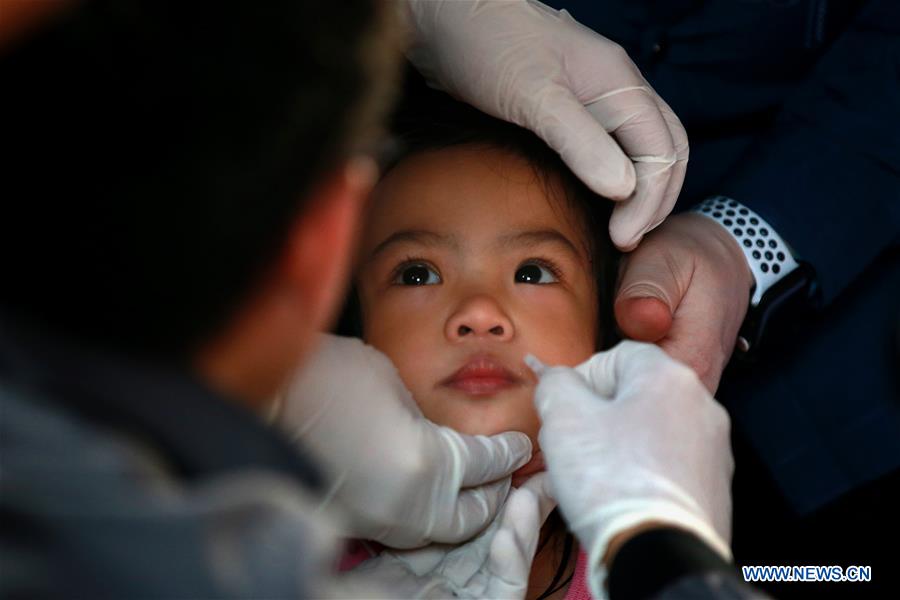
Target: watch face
[{"x": 786, "y": 306}]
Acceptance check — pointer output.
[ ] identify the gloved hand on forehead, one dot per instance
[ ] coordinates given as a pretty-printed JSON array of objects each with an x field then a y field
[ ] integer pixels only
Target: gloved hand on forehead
[
  {"x": 632, "y": 437},
  {"x": 396, "y": 477},
  {"x": 529, "y": 64}
]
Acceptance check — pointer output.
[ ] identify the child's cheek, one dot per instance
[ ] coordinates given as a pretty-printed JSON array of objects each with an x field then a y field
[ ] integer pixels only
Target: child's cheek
[{"x": 558, "y": 330}]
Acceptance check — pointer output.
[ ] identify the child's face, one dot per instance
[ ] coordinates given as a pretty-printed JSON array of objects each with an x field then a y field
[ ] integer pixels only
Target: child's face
[{"x": 466, "y": 267}]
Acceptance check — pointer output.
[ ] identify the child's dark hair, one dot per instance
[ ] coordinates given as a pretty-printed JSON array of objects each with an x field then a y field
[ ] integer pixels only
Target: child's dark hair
[{"x": 427, "y": 120}]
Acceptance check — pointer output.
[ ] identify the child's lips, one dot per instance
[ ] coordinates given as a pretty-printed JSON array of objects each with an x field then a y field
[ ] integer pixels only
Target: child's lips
[
  {"x": 482, "y": 375},
  {"x": 535, "y": 465},
  {"x": 481, "y": 386}
]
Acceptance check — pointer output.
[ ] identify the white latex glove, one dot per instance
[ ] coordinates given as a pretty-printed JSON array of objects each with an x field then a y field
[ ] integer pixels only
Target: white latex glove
[
  {"x": 397, "y": 477},
  {"x": 529, "y": 64},
  {"x": 629, "y": 437},
  {"x": 496, "y": 564}
]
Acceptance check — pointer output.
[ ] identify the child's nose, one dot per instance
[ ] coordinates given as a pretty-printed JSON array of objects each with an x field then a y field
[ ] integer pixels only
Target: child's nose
[{"x": 479, "y": 317}]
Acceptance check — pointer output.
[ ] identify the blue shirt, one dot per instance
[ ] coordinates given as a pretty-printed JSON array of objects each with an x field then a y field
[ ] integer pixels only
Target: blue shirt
[{"x": 122, "y": 478}]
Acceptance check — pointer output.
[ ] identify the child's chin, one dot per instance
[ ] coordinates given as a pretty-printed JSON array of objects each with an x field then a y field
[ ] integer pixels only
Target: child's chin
[{"x": 533, "y": 466}]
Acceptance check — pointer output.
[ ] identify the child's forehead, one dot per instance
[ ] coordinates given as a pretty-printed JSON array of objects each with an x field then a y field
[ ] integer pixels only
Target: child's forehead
[
  {"x": 481, "y": 158},
  {"x": 471, "y": 185},
  {"x": 471, "y": 195}
]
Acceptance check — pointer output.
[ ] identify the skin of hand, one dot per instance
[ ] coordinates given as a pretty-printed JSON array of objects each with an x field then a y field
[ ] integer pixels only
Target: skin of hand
[{"x": 686, "y": 287}]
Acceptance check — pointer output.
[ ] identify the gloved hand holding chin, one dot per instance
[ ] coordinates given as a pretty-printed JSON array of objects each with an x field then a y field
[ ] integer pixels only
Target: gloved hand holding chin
[{"x": 394, "y": 476}]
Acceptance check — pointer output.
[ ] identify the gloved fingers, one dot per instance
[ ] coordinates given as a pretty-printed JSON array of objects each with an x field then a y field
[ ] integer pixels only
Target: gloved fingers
[
  {"x": 558, "y": 385},
  {"x": 514, "y": 544},
  {"x": 474, "y": 509},
  {"x": 473, "y": 561},
  {"x": 560, "y": 396},
  {"x": 549, "y": 11},
  {"x": 464, "y": 564},
  {"x": 622, "y": 373},
  {"x": 682, "y": 151},
  {"x": 562, "y": 392},
  {"x": 631, "y": 219},
  {"x": 585, "y": 146},
  {"x": 598, "y": 374},
  {"x": 607, "y": 372},
  {"x": 418, "y": 561},
  {"x": 506, "y": 573},
  {"x": 489, "y": 458},
  {"x": 539, "y": 485},
  {"x": 633, "y": 116}
]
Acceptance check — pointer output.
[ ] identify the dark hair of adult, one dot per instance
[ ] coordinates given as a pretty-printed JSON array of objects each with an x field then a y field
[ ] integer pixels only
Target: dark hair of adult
[{"x": 156, "y": 153}]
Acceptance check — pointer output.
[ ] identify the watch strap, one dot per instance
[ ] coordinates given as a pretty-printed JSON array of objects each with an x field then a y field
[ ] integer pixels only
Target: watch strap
[{"x": 767, "y": 254}]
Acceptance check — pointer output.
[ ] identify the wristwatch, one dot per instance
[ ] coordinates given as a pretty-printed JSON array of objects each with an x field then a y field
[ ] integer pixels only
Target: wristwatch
[{"x": 784, "y": 286}]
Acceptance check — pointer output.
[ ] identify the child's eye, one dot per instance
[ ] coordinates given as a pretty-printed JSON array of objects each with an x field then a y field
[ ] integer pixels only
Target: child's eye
[
  {"x": 537, "y": 273},
  {"x": 416, "y": 274}
]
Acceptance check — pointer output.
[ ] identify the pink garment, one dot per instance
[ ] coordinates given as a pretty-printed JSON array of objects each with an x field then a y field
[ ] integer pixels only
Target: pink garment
[
  {"x": 579, "y": 588},
  {"x": 357, "y": 552}
]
